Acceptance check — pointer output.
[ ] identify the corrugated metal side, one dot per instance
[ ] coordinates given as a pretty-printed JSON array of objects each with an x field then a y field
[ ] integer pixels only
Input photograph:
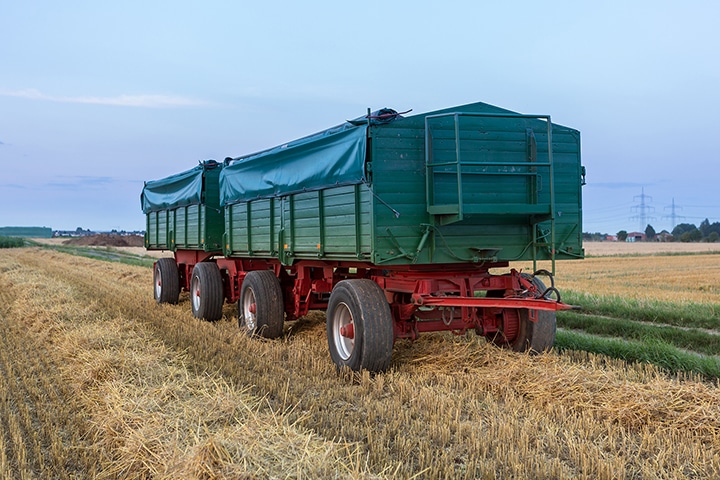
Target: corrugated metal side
[
  {"x": 347, "y": 221},
  {"x": 253, "y": 227},
  {"x": 498, "y": 177},
  {"x": 398, "y": 182},
  {"x": 333, "y": 224},
  {"x": 156, "y": 230},
  {"x": 568, "y": 194},
  {"x": 187, "y": 227}
]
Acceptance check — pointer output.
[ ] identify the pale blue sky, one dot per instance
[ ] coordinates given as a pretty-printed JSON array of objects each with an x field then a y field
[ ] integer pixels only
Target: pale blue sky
[{"x": 96, "y": 97}]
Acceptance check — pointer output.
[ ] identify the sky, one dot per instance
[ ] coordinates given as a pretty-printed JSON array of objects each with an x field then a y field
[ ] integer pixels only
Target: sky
[{"x": 97, "y": 97}]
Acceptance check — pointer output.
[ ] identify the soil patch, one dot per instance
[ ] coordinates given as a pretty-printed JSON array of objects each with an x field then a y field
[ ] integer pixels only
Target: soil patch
[{"x": 107, "y": 240}]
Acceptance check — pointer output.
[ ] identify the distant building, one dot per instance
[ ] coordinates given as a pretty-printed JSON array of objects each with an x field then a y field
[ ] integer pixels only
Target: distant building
[
  {"x": 78, "y": 232},
  {"x": 664, "y": 236},
  {"x": 26, "y": 232},
  {"x": 611, "y": 238},
  {"x": 636, "y": 237}
]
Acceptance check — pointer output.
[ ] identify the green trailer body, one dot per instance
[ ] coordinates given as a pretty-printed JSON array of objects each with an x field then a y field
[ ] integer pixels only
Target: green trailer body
[
  {"x": 470, "y": 184},
  {"x": 183, "y": 211},
  {"x": 390, "y": 223}
]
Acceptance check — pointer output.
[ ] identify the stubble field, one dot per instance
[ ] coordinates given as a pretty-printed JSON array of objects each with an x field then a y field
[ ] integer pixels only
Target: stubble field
[{"x": 101, "y": 382}]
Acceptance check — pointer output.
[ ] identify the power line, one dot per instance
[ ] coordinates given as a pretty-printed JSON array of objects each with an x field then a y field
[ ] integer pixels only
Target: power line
[
  {"x": 643, "y": 210},
  {"x": 673, "y": 216}
]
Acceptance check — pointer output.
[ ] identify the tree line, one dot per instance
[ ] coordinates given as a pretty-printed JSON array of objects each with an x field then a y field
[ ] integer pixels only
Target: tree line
[
  {"x": 683, "y": 232},
  {"x": 706, "y": 232}
]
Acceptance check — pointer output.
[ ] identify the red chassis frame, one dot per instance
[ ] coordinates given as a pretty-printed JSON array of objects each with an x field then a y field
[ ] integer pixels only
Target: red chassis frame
[{"x": 422, "y": 299}]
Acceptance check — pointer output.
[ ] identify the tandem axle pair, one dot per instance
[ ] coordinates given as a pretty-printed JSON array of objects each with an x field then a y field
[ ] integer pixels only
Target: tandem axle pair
[{"x": 367, "y": 308}]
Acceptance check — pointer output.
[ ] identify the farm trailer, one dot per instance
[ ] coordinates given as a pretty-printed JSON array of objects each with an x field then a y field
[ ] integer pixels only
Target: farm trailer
[{"x": 390, "y": 223}]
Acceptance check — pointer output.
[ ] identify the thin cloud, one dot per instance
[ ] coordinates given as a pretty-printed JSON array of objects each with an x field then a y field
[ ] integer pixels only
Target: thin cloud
[
  {"x": 144, "y": 101},
  {"x": 83, "y": 181},
  {"x": 618, "y": 185}
]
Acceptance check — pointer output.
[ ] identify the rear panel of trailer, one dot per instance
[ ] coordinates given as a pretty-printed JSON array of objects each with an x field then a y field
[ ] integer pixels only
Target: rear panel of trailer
[{"x": 475, "y": 183}]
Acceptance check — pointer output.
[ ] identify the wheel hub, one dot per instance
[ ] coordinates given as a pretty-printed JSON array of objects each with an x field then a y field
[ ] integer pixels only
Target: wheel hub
[
  {"x": 343, "y": 331},
  {"x": 347, "y": 331},
  {"x": 249, "y": 310}
]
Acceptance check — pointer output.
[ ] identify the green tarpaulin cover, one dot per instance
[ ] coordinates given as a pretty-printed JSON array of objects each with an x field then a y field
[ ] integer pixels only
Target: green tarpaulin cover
[
  {"x": 332, "y": 157},
  {"x": 174, "y": 191},
  {"x": 335, "y": 156}
]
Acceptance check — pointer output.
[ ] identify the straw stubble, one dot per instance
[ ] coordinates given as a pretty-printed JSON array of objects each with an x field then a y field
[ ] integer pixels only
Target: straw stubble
[{"x": 160, "y": 394}]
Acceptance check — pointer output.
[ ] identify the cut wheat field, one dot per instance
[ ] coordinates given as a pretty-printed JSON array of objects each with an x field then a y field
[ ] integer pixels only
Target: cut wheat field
[
  {"x": 658, "y": 276},
  {"x": 99, "y": 381}
]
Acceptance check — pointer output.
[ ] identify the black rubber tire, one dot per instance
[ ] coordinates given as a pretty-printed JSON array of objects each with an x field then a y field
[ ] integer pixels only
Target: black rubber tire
[
  {"x": 206, "y": 291},
  {"x": 363, "y": 304},
  {"x": 535, "y": 337},
  {"x": 166, "y": 281},
  {"x": 262, "y": 289}
]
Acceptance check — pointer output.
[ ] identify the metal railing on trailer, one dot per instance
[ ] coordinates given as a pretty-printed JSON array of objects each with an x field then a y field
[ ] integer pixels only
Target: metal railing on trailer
[{"x": 533, "y": 170}]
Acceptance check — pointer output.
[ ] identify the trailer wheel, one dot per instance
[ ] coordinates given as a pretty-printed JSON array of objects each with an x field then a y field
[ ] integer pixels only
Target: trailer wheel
[
  {"x": 166, "y": 280},
  {"x": 521, "y": 334},
  {"x": 261, "y": 309},
  {"x": 360, "y": 326},
  {"x": 206, "y": 291}
]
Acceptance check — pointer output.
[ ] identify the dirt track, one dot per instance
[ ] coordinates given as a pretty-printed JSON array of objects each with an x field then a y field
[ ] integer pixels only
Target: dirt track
[{"x": 135, "y": 246}]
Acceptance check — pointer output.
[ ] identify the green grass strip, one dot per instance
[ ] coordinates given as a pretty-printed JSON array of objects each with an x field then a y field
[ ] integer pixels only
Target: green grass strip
[
  {"x": 681, "y": 314},
  {"x": 11, "y": 242},
  {"x": 688, "y": 339},
  {"x": 107, "y": 254},
  {"x": 656, "y": 352}
]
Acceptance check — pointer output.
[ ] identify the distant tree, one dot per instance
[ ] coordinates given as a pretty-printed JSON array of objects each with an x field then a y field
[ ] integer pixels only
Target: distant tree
[
  {"x": 705, "y": 227},
  {"x": 650, "y": 232},
  {"x": 694, "y": 235},
  {"x": 710, "y": 229},
  {"x": 594, "y": 237},
  {"x": 682, "y": 228},
  {"x": 622, "y": 235},
  {"x": 713, "y": 237}
]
